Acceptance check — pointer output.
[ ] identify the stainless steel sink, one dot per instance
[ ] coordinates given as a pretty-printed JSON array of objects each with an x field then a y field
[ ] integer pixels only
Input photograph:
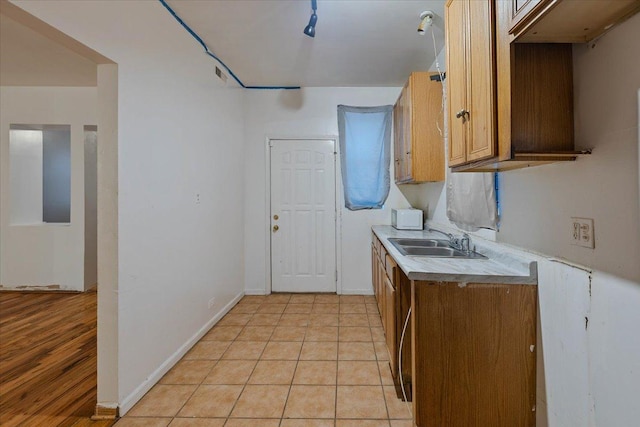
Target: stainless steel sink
[
  {"x": 419, "y": 242},
  {"x": 432, "y": 248}
]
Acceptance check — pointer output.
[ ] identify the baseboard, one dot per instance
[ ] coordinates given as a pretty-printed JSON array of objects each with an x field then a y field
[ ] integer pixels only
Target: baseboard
[
  {"x": 255, "y": 292},
  {"x": 39, "y": 289},
  {"x": 128, "y": 402},
  {"x": 105, "y": 412},
  {"x": 368, "y": 291}
]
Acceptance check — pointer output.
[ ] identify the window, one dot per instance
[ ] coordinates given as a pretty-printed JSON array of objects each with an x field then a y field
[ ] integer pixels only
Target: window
[
  {"x": 365, "y": 139},
  {"x": 40, "y": 173}
]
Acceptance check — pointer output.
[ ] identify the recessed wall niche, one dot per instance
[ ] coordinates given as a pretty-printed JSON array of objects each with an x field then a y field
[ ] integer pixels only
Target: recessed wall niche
[{"x": 40, "y": 174}]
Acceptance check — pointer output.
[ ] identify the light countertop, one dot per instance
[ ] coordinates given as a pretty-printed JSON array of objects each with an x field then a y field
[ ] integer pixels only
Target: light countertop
[{"x": 504, "y": 265}]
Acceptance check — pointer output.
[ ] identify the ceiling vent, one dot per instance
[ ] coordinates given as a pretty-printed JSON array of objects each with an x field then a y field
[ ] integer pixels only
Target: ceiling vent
[{"x": 222, "y": 76}]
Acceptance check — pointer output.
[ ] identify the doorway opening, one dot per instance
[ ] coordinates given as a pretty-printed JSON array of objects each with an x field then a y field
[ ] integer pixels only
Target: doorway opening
[{"x": 48, "y": 78}]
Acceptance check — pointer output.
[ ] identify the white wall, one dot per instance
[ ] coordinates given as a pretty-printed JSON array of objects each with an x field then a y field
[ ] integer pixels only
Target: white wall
[
  {"x": 108, "y": 296},
  {"x": 602, "y": 186},
  {"x": 179, "y": 134},
  {"x": 45, "y": 254},
  {"x": 307, "y": 113},
  {"x": 589, "y": 370},
  {"x": 25, "y": 177}
]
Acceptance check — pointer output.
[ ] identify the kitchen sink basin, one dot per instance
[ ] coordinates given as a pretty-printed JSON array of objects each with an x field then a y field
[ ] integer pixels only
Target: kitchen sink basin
[
  {"x": 432, "y": 248},
  {"x": 419, "y": 242}
]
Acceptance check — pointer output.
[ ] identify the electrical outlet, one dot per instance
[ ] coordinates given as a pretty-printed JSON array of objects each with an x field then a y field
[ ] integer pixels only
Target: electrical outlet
[
  {"x": 582, "y": 232},
  {"x": 197, "y": 198},
  {"x": 211, "y": 302}
]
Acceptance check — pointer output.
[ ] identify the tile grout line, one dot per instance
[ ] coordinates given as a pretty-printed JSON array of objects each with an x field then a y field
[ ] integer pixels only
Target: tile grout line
[
  {"x": 221, "y": 356},
  {"x": 197, "y": 386},
  {"x": 338, "y": 344},
  {"x": 286, "y": 401},
  {"x": 335, "y": 411},
  {"x": 384, "y": 397},
  {"x": 244, "y": 386}
]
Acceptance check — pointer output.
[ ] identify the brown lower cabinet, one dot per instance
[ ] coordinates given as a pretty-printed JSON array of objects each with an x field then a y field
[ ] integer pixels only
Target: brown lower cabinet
[
  {"x": 473, "y": 354},
  {"x": 468, "y": 355},
  {"x": 387, "y": 288}
]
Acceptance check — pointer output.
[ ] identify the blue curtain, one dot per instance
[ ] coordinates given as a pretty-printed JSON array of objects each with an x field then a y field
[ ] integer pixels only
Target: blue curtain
[{"x": 365, "y": 140}]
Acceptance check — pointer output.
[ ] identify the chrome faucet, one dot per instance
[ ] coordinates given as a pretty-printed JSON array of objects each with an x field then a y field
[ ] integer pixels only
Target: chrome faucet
[
  {"x": 449, "y": 235},
  {"x": 465, "y": 243},
  {"x": 462, "y": 243}
]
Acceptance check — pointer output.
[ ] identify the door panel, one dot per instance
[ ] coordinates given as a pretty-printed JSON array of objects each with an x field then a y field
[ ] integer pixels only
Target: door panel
[
  {"x": 407, "y": 170},
  {"x": 303, "y": 213},
  {"x": 482, "y": 111},
  {"x": 398, "y": 132},
  {"x": 456, "y": 17},
  {"x": 390, "y": 317}
]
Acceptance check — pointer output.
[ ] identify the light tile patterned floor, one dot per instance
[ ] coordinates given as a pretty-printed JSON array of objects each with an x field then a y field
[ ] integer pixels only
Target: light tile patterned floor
[{"x": 284, "y": 361}]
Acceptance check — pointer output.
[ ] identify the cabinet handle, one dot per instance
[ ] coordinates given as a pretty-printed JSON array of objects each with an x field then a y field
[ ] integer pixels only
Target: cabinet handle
[{"x": 464, "y": 114}]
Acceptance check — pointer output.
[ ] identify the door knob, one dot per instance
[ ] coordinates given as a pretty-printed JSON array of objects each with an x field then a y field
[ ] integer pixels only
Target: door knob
[
  {"x": 275, "y": 228},
  {"x": 464, "y": 114}
]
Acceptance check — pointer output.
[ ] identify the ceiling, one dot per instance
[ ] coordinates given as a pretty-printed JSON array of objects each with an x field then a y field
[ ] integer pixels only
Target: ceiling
[
  {"x": 33, "y": 53},
  {"x": 28, "y": 58},
  {"x": 357, "y": 42}
]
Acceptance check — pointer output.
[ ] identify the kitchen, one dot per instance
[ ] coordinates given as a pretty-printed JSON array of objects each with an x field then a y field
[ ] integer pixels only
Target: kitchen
[{"x": 590, "y": 370}]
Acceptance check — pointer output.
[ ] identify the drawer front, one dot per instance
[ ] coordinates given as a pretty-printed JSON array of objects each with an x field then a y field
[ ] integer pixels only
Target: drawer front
[{"x": 390, "y": 267}]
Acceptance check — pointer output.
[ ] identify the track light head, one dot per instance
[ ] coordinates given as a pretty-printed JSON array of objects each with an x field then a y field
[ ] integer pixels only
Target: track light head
[
  {"x": 310, "y": 29},
  {"x": 426, "y": 19}
]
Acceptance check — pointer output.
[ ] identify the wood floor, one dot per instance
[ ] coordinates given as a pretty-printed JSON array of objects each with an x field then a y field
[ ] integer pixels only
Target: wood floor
[{"x": 48, "y": 359}]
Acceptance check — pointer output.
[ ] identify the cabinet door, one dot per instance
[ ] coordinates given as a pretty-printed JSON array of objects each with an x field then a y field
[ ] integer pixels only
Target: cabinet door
[
  {"x": 380, "y": 285},
  {"x": 403, "y": 298},
  {"x": 390, "y": 323},
  {"x": 374, "y": 269},
  {"x": 481, "y": 98},
  {"x": 481, "y": 336},
  {"x": 402, "y": 140},
  {"x": 398, "y": 140},
  {"x": 521, "y": 9},
  {"x": 407, "y": 147},
  {"x": 457, "y": 23}
]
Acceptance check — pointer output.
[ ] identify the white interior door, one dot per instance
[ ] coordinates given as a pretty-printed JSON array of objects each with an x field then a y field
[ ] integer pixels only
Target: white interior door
[{"x": 303, "y": 216}]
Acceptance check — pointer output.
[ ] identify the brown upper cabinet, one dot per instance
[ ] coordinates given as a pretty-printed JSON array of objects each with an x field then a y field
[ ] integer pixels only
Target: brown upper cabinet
[
  {"x": 567, "y": 21},
  {"x": 510, "y": 104},
  {"x": 418, "y": 145},
  {"x": 471, "y": 69}
]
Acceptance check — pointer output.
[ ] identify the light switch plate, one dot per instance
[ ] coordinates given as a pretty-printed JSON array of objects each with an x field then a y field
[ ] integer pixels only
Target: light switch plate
[{"x": 582, "y": 232}]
